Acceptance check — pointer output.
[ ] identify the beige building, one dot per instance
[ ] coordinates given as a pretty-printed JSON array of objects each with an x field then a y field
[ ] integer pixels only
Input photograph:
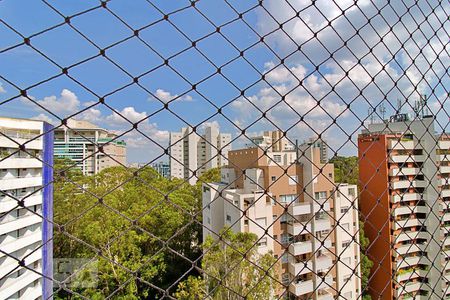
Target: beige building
[
  {"x": 192, "y": 154},
  {"x": 81, "y": 142},
  {"x": 298, "y": 214}
]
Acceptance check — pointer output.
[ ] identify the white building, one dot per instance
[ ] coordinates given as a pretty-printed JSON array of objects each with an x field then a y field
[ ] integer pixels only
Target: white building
[
  {"x": 191, "y": 152},
  {"x": 81, "y": 141},
  {"x": 26, "y": 204}
]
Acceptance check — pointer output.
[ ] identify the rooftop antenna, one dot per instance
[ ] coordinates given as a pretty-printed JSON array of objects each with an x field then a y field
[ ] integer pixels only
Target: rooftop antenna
[
  {"x": 382, "y": 110},
  {"x": 425, "y": 110},
  {"x": 371, "y": 115},
  {"x": 399, "y": 106}
]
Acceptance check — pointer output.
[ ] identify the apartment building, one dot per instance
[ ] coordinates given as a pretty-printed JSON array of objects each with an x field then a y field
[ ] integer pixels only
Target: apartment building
[
  {"x": 92, "y": 148},
  {"x": 163, "y": 168},
  {"x": 290, "y": 201},
  {"x": 404, "y": 198},
  {"x": 26, "y": 204},
  {"x": 272, "y": 141},
  {"x": 191, "y": 154}
]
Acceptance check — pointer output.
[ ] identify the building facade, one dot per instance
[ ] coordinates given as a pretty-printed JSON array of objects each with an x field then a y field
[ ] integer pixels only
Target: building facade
[
  {"x": 26, "y": 204},
  {"x": 272, "y": 141},
  {"x": 92, "y": 148},
  {"x": 192, "y": 154},
  {"x": 163, "y": 168},
  {"x": 404, "y": 198},
  {"x": 298, "y": 214}
]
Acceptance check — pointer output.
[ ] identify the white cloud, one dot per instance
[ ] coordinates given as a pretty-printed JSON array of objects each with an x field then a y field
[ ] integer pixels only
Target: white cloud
[
  {"x": 128, "y": 113},
  {"x": 166, "y": 96},
  {"x": 66, "y": 103},
  {"x": 2, "y": 89}
]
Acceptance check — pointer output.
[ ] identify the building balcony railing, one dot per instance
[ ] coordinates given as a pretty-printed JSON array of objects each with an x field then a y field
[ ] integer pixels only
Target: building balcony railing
[
  {"x": 405, "y": 184},
  {"x": 404, "y": 171},
  {"x": 300, "y": 268},
  {"x": 402, "y": 144},
  {"x": 323, "y": 263},
  {"x": 301, "y": 288},
  {"x": 407, "y": 158},
  {"x": 406, "y": 197}
]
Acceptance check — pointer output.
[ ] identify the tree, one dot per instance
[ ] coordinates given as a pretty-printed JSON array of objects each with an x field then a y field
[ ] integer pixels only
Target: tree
[
  {"x": 228, "y": 274},
  {"x": 366, "y": 263},
  {"x": 346, "y": 169},
  {"x": 132, "y": 221}
]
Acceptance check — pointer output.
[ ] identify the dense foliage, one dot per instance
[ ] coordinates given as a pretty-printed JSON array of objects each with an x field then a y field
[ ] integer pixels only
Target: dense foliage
[
  {"x": 346, "y": 169},
  {"x": 134, "y": 222},
  {"x": 227, "y": 276}
]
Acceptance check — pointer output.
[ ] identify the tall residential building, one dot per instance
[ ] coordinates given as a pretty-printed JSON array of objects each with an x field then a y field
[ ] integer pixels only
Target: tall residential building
[
  {"x": 163, "y": 168},
  {"x": 298, "y": 214},
  {"x": 192, "y": 154},
  {"x": 405, "y": 200},
  {"x": 81, "y": 142},
  {"x": 26, "y": 204},
  {"x": 271, "y": 140}
]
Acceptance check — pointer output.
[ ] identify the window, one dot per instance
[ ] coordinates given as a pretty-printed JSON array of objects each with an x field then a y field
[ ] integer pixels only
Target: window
[
  {"x": 274, "y": 178},
  {"x": 346, "y": 261},
  {"x": 287, "y": 198},
  {"x": 277, "y": 158},
  {"x": 284, "y": 258},
  {"x": 344, "y": 209},
  {"x": 351, "y": 192},
  {"x": 229, "y": 218},
  {"x": 346, "y": 227},
  {"x": 284, "y": 218},
  {"x": 274, "y": 217},
  {"x": 330, "y": 175},
  {"x": 346, "y": 244},
  {"x": 262, "y": 242},
  {"x": 293, "y": 180},
  {"x": 284, "y": 238},
  {"x": 285, "y": 278},
  {"x": 320, "y": 195},
  {"x": 206, "y": 189},
  {"x": 261, "y": 222},
  {"x": 209, "y": 220}
]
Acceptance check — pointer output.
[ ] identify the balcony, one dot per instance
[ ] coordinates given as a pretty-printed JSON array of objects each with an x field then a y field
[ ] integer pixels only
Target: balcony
[
  {"x": 322, "y": 224},
  {"x": 301, "y": 287},
  {"x": 299, "y": 268},
  {"x": 299, "y": 228},
  {"x": 326, "y": 296},
  {"x": 406, "y": 210},
  {"x": 7, "y": 203},
  {"x": 298, "y": 209},
  {"x": 326, "y": 283},
  {"x": 444, "y": 181},
  {"x": 408, "y": 288},
  {"x": 411, "y": 274},
  {"x": 406, "y": 236},
  {"x": 323, "y": 263},
  {"x": 444, "y": 144},
  {"x": 444, "y": 157},
  {"x": 444, "y": 169},
  {"x": 445, "y": 193},
  {"x": 404, "y": 171},
  {"x": 406, "y": 197},
  {"x": 20, "y": 163},
  {"x": 300, "y": 248},
  {"x": 408, "y": 223},
  {"x": 407, "y": 158},
  {"x": 409, "y": 262},
  {"x": 18, "y": 183},
  {"x": 405, "y": 184},
  {"x": 402, "y": 144},
  {"x": 409, "y": 248}
]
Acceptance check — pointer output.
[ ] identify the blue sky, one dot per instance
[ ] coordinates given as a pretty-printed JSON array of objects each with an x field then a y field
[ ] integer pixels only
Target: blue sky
[{"x": 402, "y": 55}]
